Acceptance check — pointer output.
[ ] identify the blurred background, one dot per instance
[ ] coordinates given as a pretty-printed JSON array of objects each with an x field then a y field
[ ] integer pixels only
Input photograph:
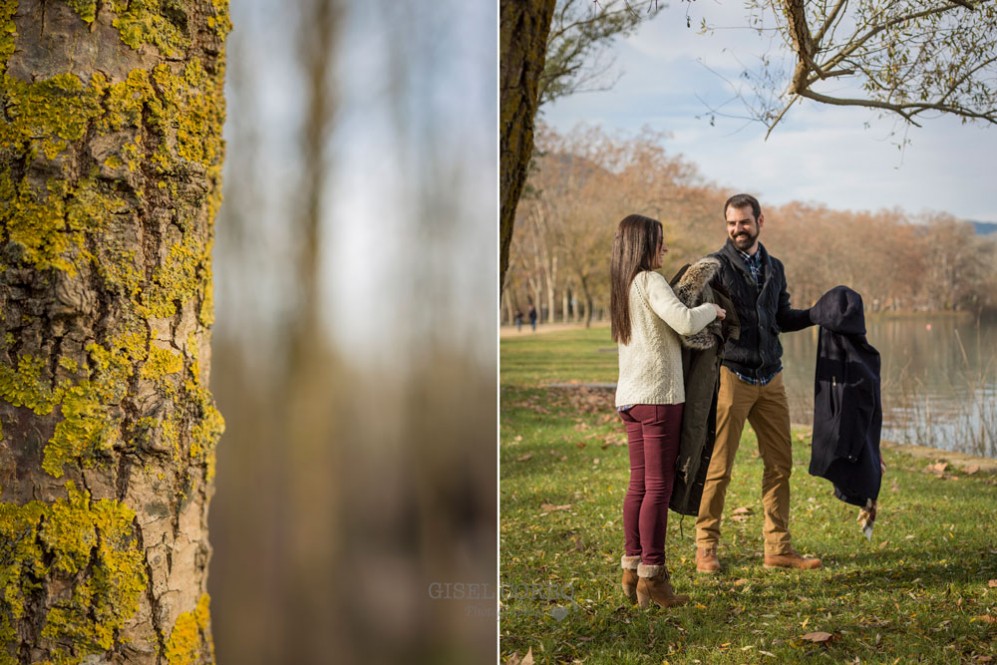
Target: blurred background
[{"x": 354, "y": 359}]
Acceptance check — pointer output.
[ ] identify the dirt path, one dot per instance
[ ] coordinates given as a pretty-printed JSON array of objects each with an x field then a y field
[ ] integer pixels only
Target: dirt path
[{"x": 542, "y": 328}]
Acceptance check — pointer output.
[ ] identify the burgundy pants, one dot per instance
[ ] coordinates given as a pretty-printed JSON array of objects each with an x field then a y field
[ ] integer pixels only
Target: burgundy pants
[{"x": 653, "y": 436}]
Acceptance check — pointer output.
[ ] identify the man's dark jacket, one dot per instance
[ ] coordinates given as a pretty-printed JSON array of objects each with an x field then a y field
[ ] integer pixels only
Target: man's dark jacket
[
  {"x": 763, "y": 311},
  {"x": 701, "y": 357},
  {"x": 848, "y": 413}
]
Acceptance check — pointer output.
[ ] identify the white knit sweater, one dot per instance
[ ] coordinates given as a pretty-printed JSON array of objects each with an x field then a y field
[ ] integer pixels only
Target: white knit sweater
[{"x": 651, "y": 364}]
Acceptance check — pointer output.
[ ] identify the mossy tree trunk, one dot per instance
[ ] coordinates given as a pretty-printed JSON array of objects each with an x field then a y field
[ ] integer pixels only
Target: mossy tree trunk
[
  {"x": 523, "y": 29},
  {"x": 110, "y": 162}
]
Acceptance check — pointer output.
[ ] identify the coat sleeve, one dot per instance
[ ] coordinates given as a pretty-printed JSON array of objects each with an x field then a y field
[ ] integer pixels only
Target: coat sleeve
[
  {"x": 789, "y": 319},
  {"x": 669, "y": 308}
]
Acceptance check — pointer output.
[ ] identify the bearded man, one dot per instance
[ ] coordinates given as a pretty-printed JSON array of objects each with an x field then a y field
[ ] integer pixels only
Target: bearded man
[{"x": 751, "y": 388}]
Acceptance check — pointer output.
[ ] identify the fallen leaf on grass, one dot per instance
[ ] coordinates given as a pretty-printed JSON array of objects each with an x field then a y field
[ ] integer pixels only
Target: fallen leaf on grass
[
  {"x": 524, "y": 458},
  {"x": 580, "y": 445},
  {"x": 549, "y": 507},
  {"x": 613, "y": 440},
  {"x": 740, "y": 582},
  {"x": 986, "y": 618},
  {"x": 518, "y": 438},
  {"x": 992, "y": 584},
  {"x": 818, "y": 637},
  {"x": 514, "y": 659},
  {"x": 971, "y": 469},
  {"x": 983, "y": 659},
  {"x": 937, "y": 469}
]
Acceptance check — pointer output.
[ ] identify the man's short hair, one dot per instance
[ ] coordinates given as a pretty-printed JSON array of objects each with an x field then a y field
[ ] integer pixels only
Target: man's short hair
[{"x": 743, "y": 201}]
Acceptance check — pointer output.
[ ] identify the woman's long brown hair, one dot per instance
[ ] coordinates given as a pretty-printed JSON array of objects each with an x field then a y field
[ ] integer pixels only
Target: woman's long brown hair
[{"x": 634, "y": 249}]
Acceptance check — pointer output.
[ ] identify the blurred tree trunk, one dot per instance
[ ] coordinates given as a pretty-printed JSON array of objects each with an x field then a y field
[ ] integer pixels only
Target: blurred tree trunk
[
  {"x": 309, "y": 615},
  {"x": 110, "y": 162},
  {"x": 524, "y": 25}
]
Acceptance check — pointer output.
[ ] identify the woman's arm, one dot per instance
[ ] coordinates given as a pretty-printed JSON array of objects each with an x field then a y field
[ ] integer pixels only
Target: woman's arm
[{"x": 664, "y": 303}]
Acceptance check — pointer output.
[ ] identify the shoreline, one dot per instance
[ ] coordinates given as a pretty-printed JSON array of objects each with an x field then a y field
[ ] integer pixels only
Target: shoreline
[{"x": 958, "y": 459}]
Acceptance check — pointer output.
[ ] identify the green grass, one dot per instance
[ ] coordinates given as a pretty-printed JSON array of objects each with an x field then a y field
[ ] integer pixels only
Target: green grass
[{"x": 917, "y": 592}]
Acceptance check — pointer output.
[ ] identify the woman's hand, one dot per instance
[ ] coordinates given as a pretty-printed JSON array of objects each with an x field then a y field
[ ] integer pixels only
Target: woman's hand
[{"x": 721, "y": 312}]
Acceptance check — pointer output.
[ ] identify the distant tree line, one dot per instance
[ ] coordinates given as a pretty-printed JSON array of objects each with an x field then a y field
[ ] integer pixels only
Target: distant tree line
[{"x": 583, "y": 182}]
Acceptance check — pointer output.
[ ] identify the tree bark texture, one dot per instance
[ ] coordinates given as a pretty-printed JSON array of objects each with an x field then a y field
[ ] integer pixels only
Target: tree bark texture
[
  {"x": 110, "y": 168},
  {"x": 523, "y": 31}
]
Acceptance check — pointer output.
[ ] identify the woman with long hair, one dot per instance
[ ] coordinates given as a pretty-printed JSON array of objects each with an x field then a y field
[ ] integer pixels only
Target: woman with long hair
[{"x": 647, "y": 319}]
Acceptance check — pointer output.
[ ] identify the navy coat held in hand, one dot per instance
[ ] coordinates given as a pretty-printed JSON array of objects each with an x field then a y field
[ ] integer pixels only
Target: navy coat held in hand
[{"x": 848, "y": 413}]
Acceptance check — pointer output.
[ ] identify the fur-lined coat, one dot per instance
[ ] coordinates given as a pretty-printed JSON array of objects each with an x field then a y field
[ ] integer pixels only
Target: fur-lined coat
[{"x": 702, "y": 355}]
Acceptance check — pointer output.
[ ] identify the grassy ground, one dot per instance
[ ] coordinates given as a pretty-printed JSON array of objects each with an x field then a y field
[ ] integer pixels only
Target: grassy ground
[{"x": 924, "y": 589}]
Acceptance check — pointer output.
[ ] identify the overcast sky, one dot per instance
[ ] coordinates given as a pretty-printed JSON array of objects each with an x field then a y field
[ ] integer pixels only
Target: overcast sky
[{"x": 845, "y": 158}]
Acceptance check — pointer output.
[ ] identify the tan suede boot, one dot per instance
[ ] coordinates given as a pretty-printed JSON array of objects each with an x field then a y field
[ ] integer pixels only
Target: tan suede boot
[
  {"x": 791, "y": 559},
  {"x": 707, "y": 561},
  {"x": 629, "y": 565},
  {"x": 653, "y": 584}
]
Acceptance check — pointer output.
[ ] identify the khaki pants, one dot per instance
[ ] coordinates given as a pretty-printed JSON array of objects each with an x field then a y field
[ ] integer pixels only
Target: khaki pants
[{"x": 767, "y": 409}]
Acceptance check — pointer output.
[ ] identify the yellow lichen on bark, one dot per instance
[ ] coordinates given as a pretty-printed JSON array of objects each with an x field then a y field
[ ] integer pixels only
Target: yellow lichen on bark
[
  {"x": 144, "y": 22},
  {"x": 47, "y": 547},
  {"x": 23, "y": 386},
  {"x": 109, "y": 185},
  {"x": 190, "y": 636},
  {"x": 50, "y": 113}
]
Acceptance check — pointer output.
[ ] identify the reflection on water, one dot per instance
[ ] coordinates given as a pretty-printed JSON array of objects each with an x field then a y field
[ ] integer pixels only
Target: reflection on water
[{"x": 939, "y": 380}]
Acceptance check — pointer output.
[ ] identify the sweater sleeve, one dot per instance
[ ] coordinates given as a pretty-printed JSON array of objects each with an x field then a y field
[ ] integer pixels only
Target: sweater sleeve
[{"x": 669, "y": 308}]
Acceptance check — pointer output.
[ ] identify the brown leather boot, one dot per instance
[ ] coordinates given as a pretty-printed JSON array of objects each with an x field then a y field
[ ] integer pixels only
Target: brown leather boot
[
  {"x": 791, "y": 559},
  {"x": 653, "y": 584},
  {"x": 707, "y": 561},
  {"x": 629, "y": 565}
]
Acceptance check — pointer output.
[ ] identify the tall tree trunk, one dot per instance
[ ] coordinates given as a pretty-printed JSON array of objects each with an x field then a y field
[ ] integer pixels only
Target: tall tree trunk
[
  {"x": 523, "y": 29},
  {"x": 510, "y": 310},
  {"x": 110, "y": 166},
  {"x": 309, "y": 551},
  {"x": 589, "y": 304},
  {"x": 551, "y": 279}
]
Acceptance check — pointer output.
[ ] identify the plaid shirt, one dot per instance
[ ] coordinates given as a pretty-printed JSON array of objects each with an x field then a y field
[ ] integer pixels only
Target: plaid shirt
[
  {"x": 754, "y": 263},
  {"x": 760, "y": 381}
]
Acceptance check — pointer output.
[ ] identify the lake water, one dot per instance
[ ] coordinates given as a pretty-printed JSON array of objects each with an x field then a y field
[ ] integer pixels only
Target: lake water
[{"x": 939, "y": 380}]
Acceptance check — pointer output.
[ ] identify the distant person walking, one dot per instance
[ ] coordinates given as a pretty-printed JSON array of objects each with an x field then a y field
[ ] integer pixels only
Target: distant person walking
[
  {"x": 519, "y": 321},
  {"x": 647, "y": 319},
  {"x": 533, "y": 317},
  {"x": 751, "y": 389}
]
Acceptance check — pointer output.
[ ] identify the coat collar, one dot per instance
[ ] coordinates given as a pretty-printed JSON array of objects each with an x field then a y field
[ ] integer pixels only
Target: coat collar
[{"x": 734, "y": 255}]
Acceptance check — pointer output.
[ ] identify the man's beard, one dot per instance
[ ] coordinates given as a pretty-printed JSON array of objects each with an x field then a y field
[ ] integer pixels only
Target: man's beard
[{"x": 744, "y": 240}]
